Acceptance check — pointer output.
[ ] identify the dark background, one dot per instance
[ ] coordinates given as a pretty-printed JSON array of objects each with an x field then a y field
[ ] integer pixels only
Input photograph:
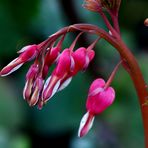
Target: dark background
[{"x": 25, "y": 22}]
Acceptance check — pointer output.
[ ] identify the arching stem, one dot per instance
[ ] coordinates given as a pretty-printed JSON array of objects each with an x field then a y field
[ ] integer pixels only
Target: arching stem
[{"x": 127, "y": 55}]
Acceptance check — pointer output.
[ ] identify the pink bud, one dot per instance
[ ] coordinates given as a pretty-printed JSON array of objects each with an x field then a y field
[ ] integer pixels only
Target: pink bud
[
  {"x": 50, "y": 58},
  {"x": 27, "y": 53},
  {"x": 91, "y": 54},
  {"x": 98, "y": 98},
  {"x": 27, "y": 48},
  {"x": 37, "y": 92},
  {"x": 28, "y": 89},
  {"x": 64, "y": 65},
  {"x": 82, "y": 58},
  {"x": 30, "y": 77},
  {"x": 33, "y": 71},
  {"x": 11, "y": 67}
]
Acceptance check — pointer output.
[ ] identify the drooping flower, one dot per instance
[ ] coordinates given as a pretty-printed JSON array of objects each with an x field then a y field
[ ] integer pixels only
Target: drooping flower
[
  {"x": 99, "y": 99},
  {"x": 68, "y": 64},
  {"x": 51, "y": 56},
  {"x": 82, "y": 57},
  {"x": 59, "y": 78},
  {"x": 30, "y": 78},
  {"x": 37, "y": 90},
  {"x": 64, "y": 65},
  {"x": 27, "y": 53}
]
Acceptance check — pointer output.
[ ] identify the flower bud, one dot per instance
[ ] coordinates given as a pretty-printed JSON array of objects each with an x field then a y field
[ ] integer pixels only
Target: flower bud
[
  {"x": 98, "y": 100},
  {"x": 92, "y": 5},
  {"x": 36, "y": 92},
  {"x": 27, "y": 53},
  {"x": 64, "y": 66},
  {"x": 30, "y": 77}
]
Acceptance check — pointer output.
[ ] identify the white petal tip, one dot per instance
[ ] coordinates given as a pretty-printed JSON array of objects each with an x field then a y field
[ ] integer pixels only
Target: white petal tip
[
  {"x": 65, "y": 84},
  {"x": 85, "y": 124}
]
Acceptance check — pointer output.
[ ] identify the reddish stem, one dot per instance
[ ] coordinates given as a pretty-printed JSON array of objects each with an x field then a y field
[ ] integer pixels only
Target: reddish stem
[
  {"x": 115, "y": 22},
  {"x": 109, "y": 81}
]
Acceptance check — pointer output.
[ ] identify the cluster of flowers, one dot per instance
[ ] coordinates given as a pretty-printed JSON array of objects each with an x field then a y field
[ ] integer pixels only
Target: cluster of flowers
[{"x": 38, "y": 90}]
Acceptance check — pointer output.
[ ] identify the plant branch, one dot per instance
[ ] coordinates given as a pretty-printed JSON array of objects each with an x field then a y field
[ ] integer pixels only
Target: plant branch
[{"x": 126, "y": 54}]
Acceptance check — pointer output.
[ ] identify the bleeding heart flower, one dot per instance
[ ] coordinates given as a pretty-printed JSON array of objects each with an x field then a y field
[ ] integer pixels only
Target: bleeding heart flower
[
  {"x": 37, "y": 90},
  {"x": 64, "y": 65},
  {"x": 98, "y": 100},
  {"x": 30, "y": 78},
  {"x": 51, "y": 57},
  {"x": 26, "y": 54},
  {"x": 82, "y": 57}
]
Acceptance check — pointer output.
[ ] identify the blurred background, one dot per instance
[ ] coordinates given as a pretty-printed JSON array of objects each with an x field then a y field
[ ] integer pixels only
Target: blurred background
[{"x": 24, "y": 22}]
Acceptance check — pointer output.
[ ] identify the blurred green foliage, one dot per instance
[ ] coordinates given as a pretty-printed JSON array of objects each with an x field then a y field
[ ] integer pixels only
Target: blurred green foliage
[{"x": 25, "y": 22}]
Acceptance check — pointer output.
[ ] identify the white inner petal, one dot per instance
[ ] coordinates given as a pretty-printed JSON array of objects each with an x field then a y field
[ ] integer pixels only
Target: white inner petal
[
  {"x": 26, "y": 84},
  {"x": 65, "y": 84},
  {"x": 82, "y": 123},
  {"x": 55, "y": 88},
  {"x": 46, "y": 83}
]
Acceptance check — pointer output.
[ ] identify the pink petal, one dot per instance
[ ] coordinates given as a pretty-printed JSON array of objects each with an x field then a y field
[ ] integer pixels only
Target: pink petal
[
  {"x": 50, "y": 88},
  {"x": 98, "y": 103},
  {"x": 37, "y": 91},
  {"x": 64, "y": 63},
  {"x": 98, "y": 83},
  {"x": 35, "y": 97},
  {"x": 27, "y": 90},
  {"x": 91, "y": 54},
  {"x": 11, "y": 67},
  {"x": 80, "y": 57},
  {"x": 26, "y": 48},
  {"x": 87, "y": 61}
]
